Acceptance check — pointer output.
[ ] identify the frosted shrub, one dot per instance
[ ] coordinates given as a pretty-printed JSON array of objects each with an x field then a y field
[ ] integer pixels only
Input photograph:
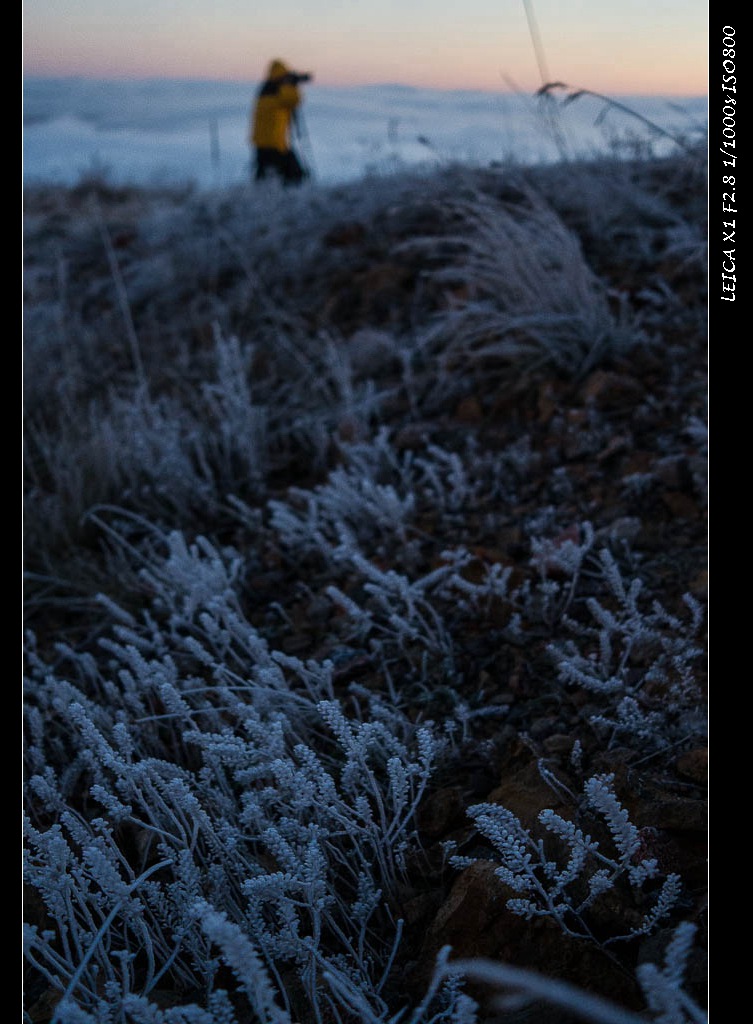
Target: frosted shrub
[
  {"x": 641, "y": 663},
  {"x": 449, "y": 480},
  {"x": 532, "y": 295},
  {"x": 565, "y": 885},
  {"x": 313, "y": 394},
  {"x": 237, "y": 444},
  {"x": 376, "y": 496},
  {"x": 563, "y": 558},
  {"x": 192, "y": 577},
  {"x": 372, "y": 502},
  {"x": 400, "y": 608},
  {"x": 293, "y": 826},
  {"x": 253, "y": 575},
  {"x": 369, "y": 497},
  {"x": 136, "y": 450}
]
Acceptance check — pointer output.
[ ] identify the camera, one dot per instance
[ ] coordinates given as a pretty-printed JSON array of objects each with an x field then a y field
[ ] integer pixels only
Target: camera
[{"x": 297, "y": 77}]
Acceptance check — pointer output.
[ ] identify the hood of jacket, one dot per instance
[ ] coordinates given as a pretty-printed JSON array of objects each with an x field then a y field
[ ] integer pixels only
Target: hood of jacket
[{"x": 277, "y": 69}]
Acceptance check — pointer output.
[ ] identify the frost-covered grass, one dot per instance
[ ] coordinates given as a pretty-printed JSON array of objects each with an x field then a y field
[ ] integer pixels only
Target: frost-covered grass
[{"x": 306, "y": 474}]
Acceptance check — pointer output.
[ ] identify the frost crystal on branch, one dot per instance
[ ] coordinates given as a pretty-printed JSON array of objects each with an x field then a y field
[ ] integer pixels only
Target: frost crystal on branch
[{"x": 565, "y": 886}]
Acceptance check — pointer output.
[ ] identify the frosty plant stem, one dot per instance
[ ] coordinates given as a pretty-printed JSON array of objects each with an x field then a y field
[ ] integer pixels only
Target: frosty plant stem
[
  {"x": 528, "y": 986},
  {"x": 125, "y": 308},
  {"x": 102, "y": 932},
  {"x": 576, "y": 93}
]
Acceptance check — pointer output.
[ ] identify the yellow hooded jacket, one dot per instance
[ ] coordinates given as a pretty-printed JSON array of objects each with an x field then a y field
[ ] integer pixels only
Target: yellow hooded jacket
[{"x": 273, "y": 112}]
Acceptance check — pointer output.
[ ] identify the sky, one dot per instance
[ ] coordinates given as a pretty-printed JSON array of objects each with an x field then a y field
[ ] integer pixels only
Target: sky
[{"x": 624, "y": 47}]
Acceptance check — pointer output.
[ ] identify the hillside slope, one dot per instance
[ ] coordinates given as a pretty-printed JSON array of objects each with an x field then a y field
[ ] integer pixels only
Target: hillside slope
[{"x": 365, "y": 549}]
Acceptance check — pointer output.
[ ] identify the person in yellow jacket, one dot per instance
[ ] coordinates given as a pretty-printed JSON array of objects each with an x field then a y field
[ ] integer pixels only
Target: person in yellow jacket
[{"x": 272, "y": 122}]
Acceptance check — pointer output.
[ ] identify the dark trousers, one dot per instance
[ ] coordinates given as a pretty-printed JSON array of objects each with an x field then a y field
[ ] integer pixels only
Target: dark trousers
[{"x": 286, "y": 166}]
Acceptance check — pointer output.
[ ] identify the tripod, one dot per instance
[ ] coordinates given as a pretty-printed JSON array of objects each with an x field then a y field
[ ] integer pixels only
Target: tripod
[{"x": 305, "y": 151}]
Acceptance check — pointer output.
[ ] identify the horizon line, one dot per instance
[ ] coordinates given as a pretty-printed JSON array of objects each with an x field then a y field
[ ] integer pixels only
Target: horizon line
[{"x": 408, "y": 86}]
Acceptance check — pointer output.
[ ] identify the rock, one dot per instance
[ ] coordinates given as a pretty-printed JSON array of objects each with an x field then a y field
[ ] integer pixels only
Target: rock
[
  {"x": 469, "y": 410},
  {"x": 467, "y": 917},
  {"x": 43, "y": 1008},
  {"x": 616, "y": 446},
  {"x": 699, "y": 586},
  {"x": 350, "y": 429},
  {"x": 694, "y": 765},
  {"x": 606, "y": 389},
  {"x": 543, "y": 726},
  {"x": 419, "y": 907},
  {"x": 345, "y": 234},
  {"x": 296, "y": 643},
  {"x": 547, "y": 402},
  {"x": 672, "y": 471},
  {"x": 637, "y": 462},
  {"x": 440, "y": 811},
  {"x": 371, "y": 351},
  {"x": 559, "y": 743},
  {"x": 476, "y": 922},
  {"x": 526, "y": 794},
  {"x": 681, "y": 505},
  {"x": 665, "y": 810}
]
